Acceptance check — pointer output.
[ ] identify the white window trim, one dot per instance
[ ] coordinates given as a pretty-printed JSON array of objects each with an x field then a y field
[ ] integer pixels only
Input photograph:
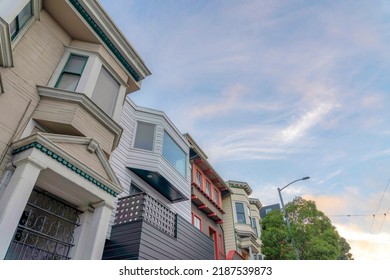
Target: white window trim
[
  {"x": 135, "y": 135},
  {"x": 90, "y": 75},
  {"x": 235, "y": 212},
  {"x": 12, "y": 10}
]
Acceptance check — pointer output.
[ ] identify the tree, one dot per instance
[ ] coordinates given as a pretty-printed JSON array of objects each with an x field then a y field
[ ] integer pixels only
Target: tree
[{"x": 312, "y": 235}]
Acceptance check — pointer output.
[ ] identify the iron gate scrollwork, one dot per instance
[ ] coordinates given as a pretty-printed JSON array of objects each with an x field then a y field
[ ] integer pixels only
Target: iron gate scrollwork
[{"x": 45, "y": 230}]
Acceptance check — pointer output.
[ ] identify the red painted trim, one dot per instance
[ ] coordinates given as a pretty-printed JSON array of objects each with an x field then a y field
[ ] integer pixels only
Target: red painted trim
[
  {"x": 194, "y": 196},
  {"x": 215, "y": 235},
  {"x": 212, "y": 215},
  {"x": 222, "y": 247},
  {"x": 200, "y": 221},
  {"x": 231, "y": 253},
  {"x": 208, "y": 171},
  {"x": 219, "y": 222},
  {"x": 199, "y": 160},
  {"x": 202, "y": 206}
]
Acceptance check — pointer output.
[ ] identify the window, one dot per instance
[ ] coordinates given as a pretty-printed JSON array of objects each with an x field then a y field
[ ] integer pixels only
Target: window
[
  {"x": 144, "y": 136},
  {"x": 220, "y": 245},
  {"x": 216, "y": 196},
  {"x": 174, "y": 154},
  {"x": 254, "y": 225},
  {"x": 105, "y": 92},
  {"x": 134, "y": 189},
  {"x": 20, "y": 21},
  {"x": 71, "y": 73},
  {"x": 199, "y": 179},
  {"x": 197, "y": 222},
  {"x": 240, "y": 213},
  {"x": 208, "y": 188},
  {"x": 249, "y": 213}
]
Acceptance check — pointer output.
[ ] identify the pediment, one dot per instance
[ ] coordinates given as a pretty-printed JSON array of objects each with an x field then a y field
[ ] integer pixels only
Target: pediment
[{"x": 87, "y": 151}]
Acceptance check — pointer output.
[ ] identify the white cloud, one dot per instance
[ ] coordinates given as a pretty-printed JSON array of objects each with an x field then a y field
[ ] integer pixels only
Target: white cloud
[{"x": 300, "y": 128}]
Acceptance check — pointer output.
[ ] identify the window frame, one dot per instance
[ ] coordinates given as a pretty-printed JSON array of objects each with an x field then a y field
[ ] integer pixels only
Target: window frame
[
  {"x": 241, "y": 213},
  {"x": 199, "y": 178},
  {"x": 185, "y": 159},
  {"x": 208, "y": 184},
  {"x": 79, "y": 75},
  {"x": 112, "y": 109},
  {"x": 195, "y": 216},
  {"x": 136, "y": 133},
  {"x": 216, "y": 195},
  {"x": 254, "y": 226},
  {"x": 90, "y": 75},
  {"x": 19, "y": 27},
  {"x": 7, "y": 45}
]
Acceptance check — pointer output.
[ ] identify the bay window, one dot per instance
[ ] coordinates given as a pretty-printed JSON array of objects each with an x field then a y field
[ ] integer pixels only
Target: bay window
[
  {"x": 106, "y": 92},
  {"x": 240, "y": 213},
  {"x": 144, "y": 136},
  {"x": 71, "y": 73},
  {"x": 174, "y": 154}
]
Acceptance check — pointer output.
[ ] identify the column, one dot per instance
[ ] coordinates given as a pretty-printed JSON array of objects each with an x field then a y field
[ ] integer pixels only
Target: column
[
  {"x": 15, "y": 197},
  {"x": 250, "y": 253},
  {"x": 96, "y": 224}
]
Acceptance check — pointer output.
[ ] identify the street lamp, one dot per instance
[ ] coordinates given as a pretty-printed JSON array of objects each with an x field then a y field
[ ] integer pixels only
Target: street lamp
[{"x": 284, "y": 210}]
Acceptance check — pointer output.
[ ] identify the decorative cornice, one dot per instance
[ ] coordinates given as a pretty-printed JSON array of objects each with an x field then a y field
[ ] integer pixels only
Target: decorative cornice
[
  {"x": 240, "y": 185},
  {"x": 66, "y": 163},
  {"x": 95, "y": 27},
  {"x": 255, "y": 202}
]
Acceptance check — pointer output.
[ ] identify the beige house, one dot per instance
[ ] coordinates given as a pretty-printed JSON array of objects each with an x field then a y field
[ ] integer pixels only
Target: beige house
[
  {"x": 242, "y": 221},
  {"x": 65, "y": 70}
]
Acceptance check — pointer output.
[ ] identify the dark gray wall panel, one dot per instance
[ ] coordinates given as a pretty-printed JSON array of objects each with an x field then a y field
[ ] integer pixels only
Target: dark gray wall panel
[{"x": 144, "y": 241}]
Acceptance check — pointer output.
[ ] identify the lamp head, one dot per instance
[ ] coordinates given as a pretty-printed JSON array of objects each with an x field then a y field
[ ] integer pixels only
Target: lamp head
[{"x": 305, "y": 178}]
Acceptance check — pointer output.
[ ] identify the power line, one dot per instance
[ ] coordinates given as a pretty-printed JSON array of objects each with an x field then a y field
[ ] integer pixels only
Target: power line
[{"x": 359, "y": 215}]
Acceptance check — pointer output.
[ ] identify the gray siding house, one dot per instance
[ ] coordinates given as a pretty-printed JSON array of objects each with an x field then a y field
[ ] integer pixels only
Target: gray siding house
[{"x": 153, "y": 216}]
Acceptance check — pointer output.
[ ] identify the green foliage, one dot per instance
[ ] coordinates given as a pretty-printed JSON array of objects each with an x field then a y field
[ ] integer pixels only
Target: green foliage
[{"x": 312, "y": 234}]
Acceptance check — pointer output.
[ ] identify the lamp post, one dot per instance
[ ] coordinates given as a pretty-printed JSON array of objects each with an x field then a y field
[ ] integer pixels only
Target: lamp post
[{"x": 284, "y": 210}]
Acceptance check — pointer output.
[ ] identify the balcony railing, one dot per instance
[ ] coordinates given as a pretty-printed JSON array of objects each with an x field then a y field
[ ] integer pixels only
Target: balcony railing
[{"x": 144, "y": 207}]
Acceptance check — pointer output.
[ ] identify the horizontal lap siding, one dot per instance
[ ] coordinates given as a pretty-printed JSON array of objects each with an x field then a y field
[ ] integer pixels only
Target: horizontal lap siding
[
  {"x": 124, "y": 243},
  {"x": 35, "y": 58},
  {"x": 152, "y": 244}
]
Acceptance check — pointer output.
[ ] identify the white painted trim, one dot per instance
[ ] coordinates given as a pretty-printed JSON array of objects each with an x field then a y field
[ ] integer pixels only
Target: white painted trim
[
  {"x": 87, "y": 104},
  {"x": 41, "y": 139},
  {"x": 59, "y": 138},
  {"x": 9, "y": 10},
  {"x": 96, "y": 11},
  {"x": 6, "y": 59}
]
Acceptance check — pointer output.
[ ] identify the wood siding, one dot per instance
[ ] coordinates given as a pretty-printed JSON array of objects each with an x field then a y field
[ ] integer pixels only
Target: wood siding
[
  {"x": 228, "y": 224},
  {"x": 35, "y": 57},
  {"x": 70, "y": 118},
  {"x": 146, "y": 160},
  {"x": 140, "y": 240}
]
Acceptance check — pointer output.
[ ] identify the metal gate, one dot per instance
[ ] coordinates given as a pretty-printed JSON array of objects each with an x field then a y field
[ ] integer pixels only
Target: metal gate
[{"x": 45, "y": 230}]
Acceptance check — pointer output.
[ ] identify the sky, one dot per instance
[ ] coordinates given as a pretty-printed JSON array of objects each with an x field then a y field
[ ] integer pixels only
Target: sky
[{"x": 276, "y": 90}]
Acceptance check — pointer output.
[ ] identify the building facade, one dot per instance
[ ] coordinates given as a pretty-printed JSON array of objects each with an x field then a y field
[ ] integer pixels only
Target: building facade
[
  {"x": 153, "y": 219},
  {"x": 207, "y": 190},
  {"x": 242, "y": 221},
  {"x": 65, "y": 70}
]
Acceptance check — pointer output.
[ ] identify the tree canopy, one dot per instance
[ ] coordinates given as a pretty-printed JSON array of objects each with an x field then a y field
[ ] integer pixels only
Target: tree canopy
[{"x": 312, "y": 235}]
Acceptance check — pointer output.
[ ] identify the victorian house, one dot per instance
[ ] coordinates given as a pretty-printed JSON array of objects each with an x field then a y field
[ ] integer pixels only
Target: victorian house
[{"x": 242, "y": 221}]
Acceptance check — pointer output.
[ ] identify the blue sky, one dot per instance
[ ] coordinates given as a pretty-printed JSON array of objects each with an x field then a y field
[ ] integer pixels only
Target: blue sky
[{"x": 277, "y": 90}]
